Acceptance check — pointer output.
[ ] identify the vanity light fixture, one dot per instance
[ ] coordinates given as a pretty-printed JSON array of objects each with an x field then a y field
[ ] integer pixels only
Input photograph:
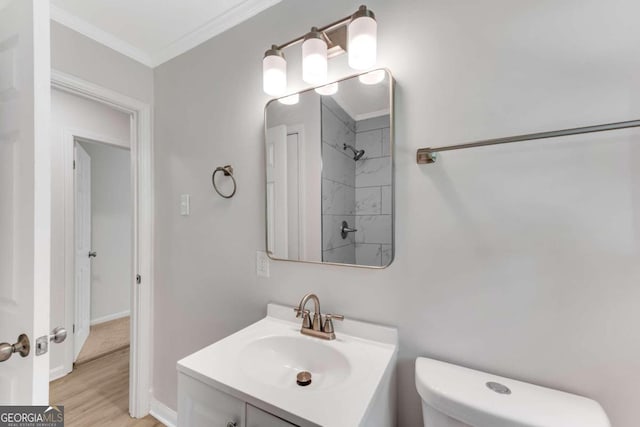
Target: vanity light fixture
[
  {"x": 274, "y": 72},
  {"x": 314, "y": 58},
  {"x": 363, "y": 44},
  {"x": 355, "y": 34}
]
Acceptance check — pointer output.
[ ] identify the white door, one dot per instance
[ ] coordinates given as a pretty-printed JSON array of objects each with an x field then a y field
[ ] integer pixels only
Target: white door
[
  {"x": 285, "y": 193},
  {"x": 25, "y": 197},
  {"x": 277, "y": 228},
  {"x": 82, "y": 185}
]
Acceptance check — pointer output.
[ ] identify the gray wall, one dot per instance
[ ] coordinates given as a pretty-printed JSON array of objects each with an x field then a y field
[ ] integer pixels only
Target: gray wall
[
  {"x": 373, "y": 192},
  {"x": 520, "y": 260},
  {"x": 75, "y": 54},
  {"x": 338, "y": 183}
]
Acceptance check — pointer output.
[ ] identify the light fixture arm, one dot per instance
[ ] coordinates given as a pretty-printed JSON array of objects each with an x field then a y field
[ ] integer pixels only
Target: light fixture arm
[
  {"x": 362, "y": 11},
  {"x": 326, "y": 38},
  {"x": 324, "y": 30}
]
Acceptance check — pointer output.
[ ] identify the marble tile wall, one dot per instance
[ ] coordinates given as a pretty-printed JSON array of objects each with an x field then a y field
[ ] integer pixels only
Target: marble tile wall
[
  {"x": 338, "y": 183},
  {"x": 373, "y": 192}
]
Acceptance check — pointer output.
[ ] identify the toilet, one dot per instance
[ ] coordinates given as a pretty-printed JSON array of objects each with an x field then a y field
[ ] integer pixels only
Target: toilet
[{"x": 454, "y": 396}]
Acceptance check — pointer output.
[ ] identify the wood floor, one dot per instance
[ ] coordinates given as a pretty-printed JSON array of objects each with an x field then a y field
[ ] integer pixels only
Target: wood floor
[
  {"x": 96, "y": 394},
  {"x": 105, "y": 338}
]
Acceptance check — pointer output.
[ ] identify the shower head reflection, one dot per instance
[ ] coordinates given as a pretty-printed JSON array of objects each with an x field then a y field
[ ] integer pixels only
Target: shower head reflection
[{"x": 357, "y": 154}]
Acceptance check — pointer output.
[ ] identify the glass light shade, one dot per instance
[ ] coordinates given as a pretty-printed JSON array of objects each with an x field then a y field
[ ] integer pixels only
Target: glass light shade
[
  {"x": 290, "y": 100},
  {"x": 314, "y": 61},
  {"x": 373, "y": 77},
  {"x": 330, "y": 89},
  {"x": 363, "y": 43},
  {"x": 274, "y": 75}
]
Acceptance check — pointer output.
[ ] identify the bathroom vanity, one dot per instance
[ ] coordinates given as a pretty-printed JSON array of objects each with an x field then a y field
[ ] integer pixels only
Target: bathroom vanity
[{"x": 249, "y": 379}]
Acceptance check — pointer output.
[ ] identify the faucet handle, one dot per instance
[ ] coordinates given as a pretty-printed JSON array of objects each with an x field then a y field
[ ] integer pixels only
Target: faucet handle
[
  {"x": 328, "y": 324},
  {"x": 300, "y": 312},
  {"x": 306, "y": 318}
]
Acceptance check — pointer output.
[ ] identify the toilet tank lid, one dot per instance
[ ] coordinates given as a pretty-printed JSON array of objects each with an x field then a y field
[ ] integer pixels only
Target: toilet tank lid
[{"x": 463, "y": 394}]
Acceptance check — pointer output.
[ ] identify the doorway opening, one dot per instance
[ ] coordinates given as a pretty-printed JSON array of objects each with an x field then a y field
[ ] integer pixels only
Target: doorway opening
[
  {"x": 124, "y": 316},
  {"x": 93, "y": 234},
  {"x": 103, "y": 249}
]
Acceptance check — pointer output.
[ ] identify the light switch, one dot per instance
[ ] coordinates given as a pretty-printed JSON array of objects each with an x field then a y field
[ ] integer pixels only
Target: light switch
[
  {"x": 184, "y": 205},
  {"x": 262, "y": 264}
]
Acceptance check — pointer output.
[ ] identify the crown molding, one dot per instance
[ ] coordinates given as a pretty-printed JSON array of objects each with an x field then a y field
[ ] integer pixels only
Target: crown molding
[
  {"x": 81, "y": 26},
  {"x": 351, "y": 112},
  {"x": 372, "y": 114},
  {"x": 217, "y": 25}
]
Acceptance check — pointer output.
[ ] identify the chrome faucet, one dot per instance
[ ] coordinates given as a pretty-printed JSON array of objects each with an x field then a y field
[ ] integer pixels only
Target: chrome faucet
[{"x": 314, "y": 327}]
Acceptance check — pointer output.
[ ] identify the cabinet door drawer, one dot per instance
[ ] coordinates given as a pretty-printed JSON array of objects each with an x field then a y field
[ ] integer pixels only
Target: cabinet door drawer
[
  {"x": 259, "y": 418},
  {"x": 200, "y": 405}
]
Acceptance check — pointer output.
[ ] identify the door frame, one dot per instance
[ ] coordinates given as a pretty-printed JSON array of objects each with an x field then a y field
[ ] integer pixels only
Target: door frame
[{"x": 141, "y": 152}]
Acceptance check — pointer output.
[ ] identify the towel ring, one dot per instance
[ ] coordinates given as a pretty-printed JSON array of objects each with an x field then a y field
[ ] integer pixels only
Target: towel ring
[{"x": 227, "y": 171}]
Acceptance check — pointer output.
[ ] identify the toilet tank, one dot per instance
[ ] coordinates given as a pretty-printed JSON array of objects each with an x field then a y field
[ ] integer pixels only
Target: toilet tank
[{"x": 454, "y": 396}]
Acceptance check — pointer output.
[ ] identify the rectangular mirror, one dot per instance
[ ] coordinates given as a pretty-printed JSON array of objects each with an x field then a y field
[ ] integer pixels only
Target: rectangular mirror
[{"x": 329, "y": 173}]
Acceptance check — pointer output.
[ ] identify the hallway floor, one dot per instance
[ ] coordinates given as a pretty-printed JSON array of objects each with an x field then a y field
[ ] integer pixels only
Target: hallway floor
[
  {"x": 105, "y": 338},
  {"x": 96, "y": 394}
]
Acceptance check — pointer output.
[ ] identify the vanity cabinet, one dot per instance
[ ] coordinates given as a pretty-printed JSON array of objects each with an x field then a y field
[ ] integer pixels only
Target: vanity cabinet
[
  {"x": 200, "y": 405},
  {"x": 259, "y": 418}
]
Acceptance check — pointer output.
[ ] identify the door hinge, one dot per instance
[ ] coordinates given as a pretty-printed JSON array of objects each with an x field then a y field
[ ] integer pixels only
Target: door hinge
[
  {"x": 73, "y": 329},
  {"x": 74, "y": 164},
  {"x": 138, "y": 279}
]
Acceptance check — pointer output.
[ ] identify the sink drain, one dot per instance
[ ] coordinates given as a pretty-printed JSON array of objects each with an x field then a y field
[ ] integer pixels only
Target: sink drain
[
  {"x": 303, "y": 378},
  {"x": 498, "y": 388}
]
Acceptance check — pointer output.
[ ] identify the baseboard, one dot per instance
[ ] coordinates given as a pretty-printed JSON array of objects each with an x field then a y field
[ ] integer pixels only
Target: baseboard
[
  {"x": 109, "y": 317},
  {"x": 163, "y": 413},
  {"x": 57, "y": 372}
]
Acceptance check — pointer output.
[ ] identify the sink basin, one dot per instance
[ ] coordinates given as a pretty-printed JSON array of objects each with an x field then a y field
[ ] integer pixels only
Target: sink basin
[
  {"x": 276, "y": 360},
  {"x": 352, "y": 375}
]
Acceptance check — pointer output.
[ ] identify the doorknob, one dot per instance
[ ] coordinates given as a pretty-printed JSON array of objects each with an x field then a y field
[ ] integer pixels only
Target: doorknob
[
  {"x": 22, "y": 346},
  {"x": 58, "y": 335},
  {"x": 92, "y": 254}
]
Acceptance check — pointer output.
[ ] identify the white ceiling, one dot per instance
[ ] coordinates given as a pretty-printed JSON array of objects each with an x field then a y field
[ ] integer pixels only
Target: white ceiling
[{"x": 154, "y": 31}]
